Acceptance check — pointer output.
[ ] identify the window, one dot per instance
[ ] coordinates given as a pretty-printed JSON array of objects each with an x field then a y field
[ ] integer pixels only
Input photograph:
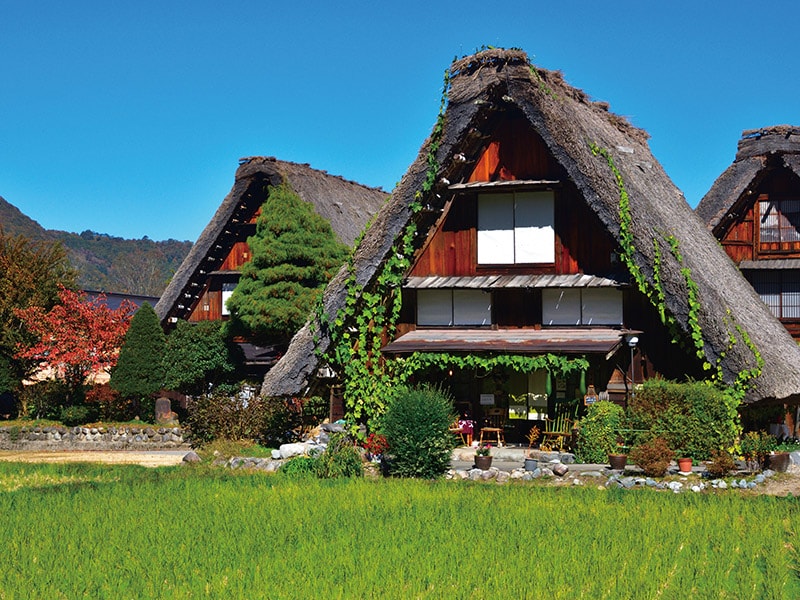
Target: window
[
  {"x": 780, "y": 291},
  {"x": 581, "y": 306},
  {"x": 516, "y": 228},
  {"x": 227, "y": 290},
  {"x": 453, "y": 308},
  {"x": 779, "y": 221}
]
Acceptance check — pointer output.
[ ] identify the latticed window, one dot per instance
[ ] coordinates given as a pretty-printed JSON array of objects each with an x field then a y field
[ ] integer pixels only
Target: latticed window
[
  {"x": 780, "y": 291},
  {"x": 779, "y": 221}
]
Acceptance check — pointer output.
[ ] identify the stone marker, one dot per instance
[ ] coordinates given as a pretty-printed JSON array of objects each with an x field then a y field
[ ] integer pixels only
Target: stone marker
[{"x": 164, "y": 414}]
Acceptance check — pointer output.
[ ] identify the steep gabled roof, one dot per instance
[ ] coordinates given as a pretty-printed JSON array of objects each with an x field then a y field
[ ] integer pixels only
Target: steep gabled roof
[
  {"x": 758, "y": 151},
  {"x": 347, "y": 205},
  {"x": 483, "y": 88}
]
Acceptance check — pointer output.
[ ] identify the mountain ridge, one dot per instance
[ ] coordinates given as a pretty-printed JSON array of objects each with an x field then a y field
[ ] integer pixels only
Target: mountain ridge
[{"x": 105, "y": 263}]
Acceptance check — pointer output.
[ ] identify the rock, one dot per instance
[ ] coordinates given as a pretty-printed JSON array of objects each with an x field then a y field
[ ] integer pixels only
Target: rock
[
  {"x": 545, "y": 472},
  {"x": 696, "y": 488},
  {"x": 536, "y": 473},
  {"x": 502, "y": 476},
  {"x": 577, "y": 481},
  {"x": 292, "y": 450},
  {"x": 722, "y": 485},
  {"x": 628, "y": 482},
  {"x": 591, "y": 474},
  {"x": 567, "y": 458},
  {"x": 191, "y": 457},
  {"x": 768, "y": 473},
  {"x": 276, "y": 454},
  {"x": 675, "y": 486},
  {"x": 475, "y": 474},
  {"x": 650, "y": 482},
  {"x": 560, "y": 469},
  {"x": 333, "y": 427},
  {"x": 751, "y": 485},
  {"x": 743, "y": 483},
  {"x": 760, "y": 478}
]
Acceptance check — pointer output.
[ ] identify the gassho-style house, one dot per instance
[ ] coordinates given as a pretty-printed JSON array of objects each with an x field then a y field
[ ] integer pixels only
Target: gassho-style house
[{"x": 543, "y": 255}]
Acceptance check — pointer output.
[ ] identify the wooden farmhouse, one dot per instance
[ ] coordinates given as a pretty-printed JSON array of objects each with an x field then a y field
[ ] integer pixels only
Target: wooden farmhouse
[
  {"x": 209, "y": 273},
  {"x": 753, "y": 209},
  {"x": 546, "y": 228}
]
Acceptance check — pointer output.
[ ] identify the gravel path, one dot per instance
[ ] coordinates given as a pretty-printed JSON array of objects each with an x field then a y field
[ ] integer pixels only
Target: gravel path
[{"x": 148, "y": 458}]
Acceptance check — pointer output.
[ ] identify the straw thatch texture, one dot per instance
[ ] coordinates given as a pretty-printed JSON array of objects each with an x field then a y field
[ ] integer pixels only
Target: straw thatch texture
[
  {"x": 759, "y": 150},
  {"x": 347, "y": 205},
  {"x": 485, "y": 87}
]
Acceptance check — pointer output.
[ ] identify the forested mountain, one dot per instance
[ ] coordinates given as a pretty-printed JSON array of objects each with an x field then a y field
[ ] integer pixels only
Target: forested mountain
[{"x": 103, "y": 262}]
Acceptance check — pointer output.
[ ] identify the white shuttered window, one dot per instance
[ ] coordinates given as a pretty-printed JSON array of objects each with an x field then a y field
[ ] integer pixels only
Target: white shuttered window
[{"x": 516, "y": 228}]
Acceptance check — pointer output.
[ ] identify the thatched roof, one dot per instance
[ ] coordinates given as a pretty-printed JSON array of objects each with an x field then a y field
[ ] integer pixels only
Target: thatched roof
[
  {"x": 485, "y": 86},
  {"x": 347, "y": 205},
  {"x": 760, "y": 150}
]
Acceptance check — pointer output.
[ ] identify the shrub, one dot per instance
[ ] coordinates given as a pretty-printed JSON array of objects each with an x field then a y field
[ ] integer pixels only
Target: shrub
[
  {"x": 44, "y": 400},
  {"x": 77, "y": 415},
  {"x": 300, "y": 466},
  {"x": 340, "y": 459},
  {"x": 599, "y": 432},
  {"x": 721, "y": 463},
  {"x": 416, "y": 426},
  {"x": 755, "y": 445},
  {"x": 241, "y": 416},
  {"x": 653, "y": 456},
  {"x": 692, "y": 416},
  {"x": 110, "y": 406}
]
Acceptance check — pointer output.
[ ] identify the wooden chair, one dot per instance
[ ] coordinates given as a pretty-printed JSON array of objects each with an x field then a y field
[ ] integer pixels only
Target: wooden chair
[
  {"x": 558, "y": 430},
  {"x": 494, "y": 421},
  {"x": 455, "y": 429}
]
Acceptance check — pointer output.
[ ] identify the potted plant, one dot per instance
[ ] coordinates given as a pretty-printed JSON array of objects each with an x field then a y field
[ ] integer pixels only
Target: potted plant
[
  {"x": 779, "y": 459},
  {"x": 755, "y": 447},
  {"x": 531, "y": 462},
  {"x": 483, "y": 460}
]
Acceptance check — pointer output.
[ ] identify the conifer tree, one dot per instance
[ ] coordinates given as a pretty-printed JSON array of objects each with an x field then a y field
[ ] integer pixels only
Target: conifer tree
[
  {"x": 139, "y": 372},
  {"x": 294, "y": 254}
]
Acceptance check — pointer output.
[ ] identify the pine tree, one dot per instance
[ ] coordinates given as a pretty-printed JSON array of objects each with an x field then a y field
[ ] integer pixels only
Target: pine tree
[
  {"x": 294, "y": 254},
  {"x": 139, "y": 372}
]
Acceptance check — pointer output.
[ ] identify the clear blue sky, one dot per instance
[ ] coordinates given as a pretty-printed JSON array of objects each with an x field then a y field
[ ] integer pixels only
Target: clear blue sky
[{"x": 128, "y": 118}]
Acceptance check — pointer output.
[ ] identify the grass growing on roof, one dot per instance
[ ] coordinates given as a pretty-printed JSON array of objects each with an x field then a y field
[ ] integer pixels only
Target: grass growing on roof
[{"x": 186, "y": 532}]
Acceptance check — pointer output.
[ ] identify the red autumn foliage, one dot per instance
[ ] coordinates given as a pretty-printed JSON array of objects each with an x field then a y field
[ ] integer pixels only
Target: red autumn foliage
[{"x": 76, "y": 337}]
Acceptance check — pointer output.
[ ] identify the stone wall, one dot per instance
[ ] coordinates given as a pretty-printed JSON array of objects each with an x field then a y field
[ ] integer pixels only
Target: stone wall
[{"x": 92, "y": 438}]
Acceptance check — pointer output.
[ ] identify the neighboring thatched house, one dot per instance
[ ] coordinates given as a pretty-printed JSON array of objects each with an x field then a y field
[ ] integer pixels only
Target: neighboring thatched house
[
  {"x": 753, "y": 209},
  {"x": 539, "y": 199},
  {"x": 210, "y": 271}
]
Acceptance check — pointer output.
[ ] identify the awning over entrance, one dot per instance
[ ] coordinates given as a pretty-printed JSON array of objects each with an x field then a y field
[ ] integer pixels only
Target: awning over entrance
[{"x": 520, "y": 341}]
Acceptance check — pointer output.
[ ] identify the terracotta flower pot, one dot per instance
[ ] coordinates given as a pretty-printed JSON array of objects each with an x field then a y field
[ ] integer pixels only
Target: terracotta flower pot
[
  {"x": 618, "y": 461},
  {"x": 685, "y": 465},
  {"x": 483, "y": 462}
]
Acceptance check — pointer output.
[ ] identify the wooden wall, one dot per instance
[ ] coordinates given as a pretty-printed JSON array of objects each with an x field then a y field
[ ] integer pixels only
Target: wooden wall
[
  {"x": 517, "y": 152},
  {"x": 740, "y": 238}
]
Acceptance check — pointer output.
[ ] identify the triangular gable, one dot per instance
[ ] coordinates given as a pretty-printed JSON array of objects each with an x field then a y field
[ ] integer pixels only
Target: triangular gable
[
  {"x": 221, "y": 247},
  {"x": 610, "y": 165}
]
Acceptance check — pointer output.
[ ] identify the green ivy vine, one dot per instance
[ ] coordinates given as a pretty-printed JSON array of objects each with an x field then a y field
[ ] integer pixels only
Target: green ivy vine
[
  {"x": 735, "y": 392},
  {"x": 358, "y": 331}
]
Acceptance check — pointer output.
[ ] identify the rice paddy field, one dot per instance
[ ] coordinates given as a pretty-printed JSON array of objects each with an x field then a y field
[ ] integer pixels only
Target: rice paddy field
[{"x": 79, "y": 530}]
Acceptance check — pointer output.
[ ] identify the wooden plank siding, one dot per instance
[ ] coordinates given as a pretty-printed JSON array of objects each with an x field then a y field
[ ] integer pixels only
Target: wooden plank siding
[{"x": 740, "y": 237}]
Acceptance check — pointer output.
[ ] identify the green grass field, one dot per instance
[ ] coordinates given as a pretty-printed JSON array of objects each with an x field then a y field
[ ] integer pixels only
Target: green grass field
[{"x": 72, "y": 531}]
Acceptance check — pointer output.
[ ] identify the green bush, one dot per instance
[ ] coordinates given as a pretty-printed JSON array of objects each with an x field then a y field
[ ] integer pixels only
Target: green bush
[
  {"x": 340, "y": 459},
  {"x": 300, "y": 466},
  {"x": 77, "y": 415},
  {"x": 599, "y": 432},
  {"x": 653, "y": 456},
  {"x": 241, "y": 416},
  {"x": 416, "y": 426},
  {"x": 44, "y": 400},
  {"x": 692, "y": 416},
  {"x": 755, "y": 446}
]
